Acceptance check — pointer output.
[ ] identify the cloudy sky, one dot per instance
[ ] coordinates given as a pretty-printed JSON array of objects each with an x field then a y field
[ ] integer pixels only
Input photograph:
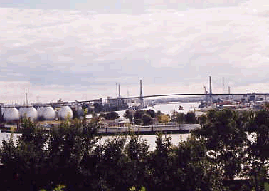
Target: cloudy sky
[{"x": 80, "y": 49}]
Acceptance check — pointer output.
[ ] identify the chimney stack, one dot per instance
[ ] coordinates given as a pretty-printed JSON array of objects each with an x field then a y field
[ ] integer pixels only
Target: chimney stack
[
  {"x": 119, "y": 90},
  {"x": 210, "y": 86},
  {"x": 26, "y": 99},
  {"x": 210, "y": 89},
  {"x": 116, "y": 89},
  {"x": 141, "y": 93}
]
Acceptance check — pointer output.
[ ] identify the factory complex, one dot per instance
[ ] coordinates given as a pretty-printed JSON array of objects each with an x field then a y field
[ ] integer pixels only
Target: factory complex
[{"x": 51, "y": 114}]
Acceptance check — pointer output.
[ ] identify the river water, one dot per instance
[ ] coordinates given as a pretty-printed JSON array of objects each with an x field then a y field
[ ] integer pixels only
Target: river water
[
  {"x": 175, "y": 138},
  {"x": 150, "y": 139}
]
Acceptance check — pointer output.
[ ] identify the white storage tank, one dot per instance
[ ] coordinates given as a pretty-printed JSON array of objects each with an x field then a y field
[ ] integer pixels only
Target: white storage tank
[
  {"x": 2, "y": 110},
  {"x": 40, "y": 112},
  {"x": 10, "y": 114},
  {"x": 48, "y": 113},
  {"x": 65, "y": 112},
  {"x": 28, "y": 112}
]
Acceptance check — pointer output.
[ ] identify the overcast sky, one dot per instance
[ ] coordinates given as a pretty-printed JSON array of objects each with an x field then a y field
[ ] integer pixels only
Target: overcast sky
[{"x": 80, "y": 49}]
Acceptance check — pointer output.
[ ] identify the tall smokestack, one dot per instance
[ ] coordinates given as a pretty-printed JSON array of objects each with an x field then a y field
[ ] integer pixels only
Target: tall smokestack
[
  {"x": 141, "y": 93},
  {"x": 210, "y": 86},
  {"x": 229, "y": 90},
  {"x": 26, "y": 99},
  {"x": 119, "y": 90},
  {"x": 116, "y": 89},
  {"x": 210, "y": 89}
]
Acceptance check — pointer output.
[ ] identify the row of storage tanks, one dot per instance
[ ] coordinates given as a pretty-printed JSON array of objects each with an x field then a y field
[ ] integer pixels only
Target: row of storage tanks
[{"x": 46, "y": 113}]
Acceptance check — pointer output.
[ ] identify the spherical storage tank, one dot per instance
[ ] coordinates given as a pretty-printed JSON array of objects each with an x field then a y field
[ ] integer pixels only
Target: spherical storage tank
[
  {"x": 48, "y": 113},
  {"x": 11, "y": 114},
  {"x": 65, "y": 112},
  {"x": 28, "y": 112},
  {"x": 2, "y": 110},
  {"x": 40, "y": 112}
]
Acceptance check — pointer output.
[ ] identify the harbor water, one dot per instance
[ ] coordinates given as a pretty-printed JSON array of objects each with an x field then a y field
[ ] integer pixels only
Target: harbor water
[{"x": 150, "y": 139}]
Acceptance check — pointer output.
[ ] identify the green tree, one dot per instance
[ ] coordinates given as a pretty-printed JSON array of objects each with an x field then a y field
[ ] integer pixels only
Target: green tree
[
  {"x": 46, "y": 159},
  {"x": 30, "y": 155},
  {"x": 137, "y": 153},
  {"x": 151, "y": 113},
  {"x": 147, "y": 119},
  {"x": 190, "y": 117},
  {"x": 138, "y": 117},
  {"x": 195, "y": 170},
  {"x": 226, "y": 138},
  {"x": 258, "y": 150},
  {"x": 129, "y": 115},
  {"x": 180, "y": 118},
  {"x": 68, "y": 147},
  {"x": 202, "y": 120},
  {"x": 111, "y": 115},
  {"x": 111, "y": 165},
  {"x": 160, "y": 166},
  {"x": 158, "y": 113}
]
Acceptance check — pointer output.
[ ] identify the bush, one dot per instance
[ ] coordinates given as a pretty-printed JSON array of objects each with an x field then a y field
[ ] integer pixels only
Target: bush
[
  {"x": 111, "y": 115},
  {"x": 147, "y": 119},
  {"x": 190, "y": 118}
]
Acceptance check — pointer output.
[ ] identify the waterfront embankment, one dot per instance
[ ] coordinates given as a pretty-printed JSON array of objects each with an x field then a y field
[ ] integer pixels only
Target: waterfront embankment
[{"x": 149, "y": 130}]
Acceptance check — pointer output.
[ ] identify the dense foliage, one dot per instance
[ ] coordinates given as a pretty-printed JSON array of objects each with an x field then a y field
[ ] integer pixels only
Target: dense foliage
[
  {"x": 180, "y": 118},
  {"x": 110, "y": 115},
  {"x": 70, "y": 155},
  {"x": 140, "y": 117},
  {"x": 147, "y": 117}
]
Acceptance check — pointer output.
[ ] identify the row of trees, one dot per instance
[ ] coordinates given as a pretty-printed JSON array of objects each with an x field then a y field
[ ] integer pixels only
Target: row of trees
[
  {"x": 209, "y": 160},
  {"x": 70, "y": 156}
]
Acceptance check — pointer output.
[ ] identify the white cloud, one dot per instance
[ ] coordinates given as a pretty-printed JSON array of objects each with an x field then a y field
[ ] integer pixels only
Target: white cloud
[{"x": 173, "y": 44}]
